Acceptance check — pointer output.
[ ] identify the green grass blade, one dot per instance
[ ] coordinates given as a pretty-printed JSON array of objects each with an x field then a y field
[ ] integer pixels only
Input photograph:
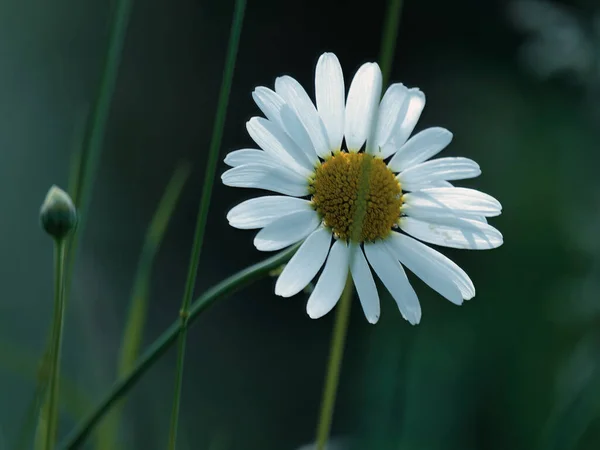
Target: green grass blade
[
  {"x": 389, "y": 38},
  {"x": 209, "y": 176},
  {"x": 107, "y": 435},
  {"x": 159, "y": 347},
  {"x": 85, "y": 161},
  {"x": 23, "y": 363}
]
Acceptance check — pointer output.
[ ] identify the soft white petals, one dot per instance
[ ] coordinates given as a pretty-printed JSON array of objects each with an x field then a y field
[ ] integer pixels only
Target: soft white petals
[
  {"x": 391, "y": 273},
  {"x": 269, "y": 102},
  {"x": 439, "y": 263},
  {"x": 438, "y": 183},
  {"x": 286, "y": 230},
  {"x": 249, "y": 156},
  {"x": 438, "y": 169},
  {"x": 305, "y": 263},
  {"x": 415, "y": 105},
  {"x": 270, "y": 178},
  {"x": 389, "y": 111},
  {"x": 437, "y": 202},
  {"x": 361, "y": 105},
  {"x": 365, "y": 284},
  {"x": 329, "y": 92},
  {"x": 422, "y": 265},
  {"x": 331, "y": 282},
  {"x": 297, "y": 98},
  {"x": 261, "y": 211},
  {"x": 420, "y": 147},
  {"x": 407, "y": 120},
  {"x": 453, "y": 232},
  {"x": 273, "y": 140},
  {"x": 298, "y": 133},
  {"x": 277, "y": 111}
]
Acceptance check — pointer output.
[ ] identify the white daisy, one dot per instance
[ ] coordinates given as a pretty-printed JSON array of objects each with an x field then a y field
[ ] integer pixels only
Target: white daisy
[{"x": 314, "y": 157}]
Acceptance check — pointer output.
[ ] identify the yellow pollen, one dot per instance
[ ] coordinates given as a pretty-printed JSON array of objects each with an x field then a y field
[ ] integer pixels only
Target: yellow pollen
[{"x": 335, "y": 187}]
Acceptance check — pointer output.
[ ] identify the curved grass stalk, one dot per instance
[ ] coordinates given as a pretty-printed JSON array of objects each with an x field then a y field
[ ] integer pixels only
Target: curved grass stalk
[
  {"x": 107, "y": 435},
  {"x": 78, "y": 436}
]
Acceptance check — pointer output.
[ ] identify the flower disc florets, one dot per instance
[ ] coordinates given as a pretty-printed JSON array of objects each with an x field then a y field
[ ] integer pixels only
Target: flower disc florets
[{"x": 335, "y": 191}]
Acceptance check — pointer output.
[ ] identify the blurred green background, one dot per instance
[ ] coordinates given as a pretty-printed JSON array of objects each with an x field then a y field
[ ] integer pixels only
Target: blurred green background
[{"x": 518, "y": 83}]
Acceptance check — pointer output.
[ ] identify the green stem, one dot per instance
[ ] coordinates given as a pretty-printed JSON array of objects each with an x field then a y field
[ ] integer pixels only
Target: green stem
[
  {"x": 343, "y": 312},
  {"x": 168, "y": 337},
  {"x": 389, "y": 37},
  {"x": 88, "y": 157},
  {"x": 57, "y": 326},
  {"x": 96, "y": 129},
  {"x": 209, "y": 176},
  {"x": 335, "y": 364}
]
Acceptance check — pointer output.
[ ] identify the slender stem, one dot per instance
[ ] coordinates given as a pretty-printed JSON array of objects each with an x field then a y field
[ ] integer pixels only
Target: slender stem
[
  {"x": 389, "y": 37},
  {"x": 86, "y": 159},
  {"x": 343, "y": 312},
  {"x": 57, "y": 326},
  {"x": 334, "y": 366},
  {"x": 96, "y": 129},
  {"x": 209, "y": 176},
  {"x": 168, "y": 337},
  {"x": 174, "y": 424}
]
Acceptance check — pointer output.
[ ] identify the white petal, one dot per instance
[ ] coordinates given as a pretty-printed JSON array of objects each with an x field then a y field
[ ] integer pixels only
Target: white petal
[
  {"x": 453, "y": 232},
  {"x": 270, "y": 178},
  {"x": 305, "y": 263},
  {"x": 278, "y": 112},
  {"x": 415, "y": 106},
  {"x": 331, "y": 283},
  {"x": 286, "y": 230},
  {"x": 391, "y": 273},
  {"x": 438, "y": 183},
  {"x": 361, "y": 106},
  {"x": 420, "y": 147},
  {"x": 297, "y": 98},
  {"x": 438, "y": 169},
  {"x": 436, "y": 202},
  {"x": 389, "y": 111},
  {"x": 365, "y": 284},
  {"x": 273, "y": 140},
  {"x": 296, "y": 130},
  {"x": 329, "y": 92},
  {"x": 270, "y": 103},
  {"x": 261, "y": 211},
  {"x": 407, "y": 120},
  {"x": 424, "y": 267},
  {"x": 249, "y": 156},
  {"x": 443, "y": 265}
]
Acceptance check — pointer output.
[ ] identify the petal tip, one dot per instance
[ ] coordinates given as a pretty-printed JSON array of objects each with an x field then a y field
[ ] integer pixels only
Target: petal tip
[
  {"x": 284, "y": 291},
  {"x": 314, "y": 313},
  {"x": 373, "y": 319}
]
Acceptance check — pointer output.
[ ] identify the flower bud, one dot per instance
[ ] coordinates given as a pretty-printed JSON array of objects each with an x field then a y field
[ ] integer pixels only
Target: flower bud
[{"x": 58, "y": 214}]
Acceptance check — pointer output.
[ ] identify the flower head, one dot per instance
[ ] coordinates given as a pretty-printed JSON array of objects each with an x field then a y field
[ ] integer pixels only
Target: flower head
[
  {"x": 57, "y": 213},
  {"x": 347, "y": 161}
]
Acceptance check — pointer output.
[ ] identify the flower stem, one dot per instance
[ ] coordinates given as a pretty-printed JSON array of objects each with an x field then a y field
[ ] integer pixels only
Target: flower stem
[
  {"x": 55, "y": 349},
  {"x": 211, "y": 165},
  {"x": 86, "y": 158},
  {"x": 77, "y": 437},
  {"x": 388, "y": 39},
  {"x": 335, "y": 364}
]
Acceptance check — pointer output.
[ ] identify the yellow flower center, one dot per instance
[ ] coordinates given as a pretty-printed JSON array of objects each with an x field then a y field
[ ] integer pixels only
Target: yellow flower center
[{"x": 335, "y": 188}]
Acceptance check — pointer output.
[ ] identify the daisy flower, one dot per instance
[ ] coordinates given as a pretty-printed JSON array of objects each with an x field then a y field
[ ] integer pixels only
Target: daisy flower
[{"x": 314, "y": 155}]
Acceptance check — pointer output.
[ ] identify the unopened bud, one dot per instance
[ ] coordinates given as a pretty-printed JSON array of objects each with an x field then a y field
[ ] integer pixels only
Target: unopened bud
[{"x": 58, "y": 214}]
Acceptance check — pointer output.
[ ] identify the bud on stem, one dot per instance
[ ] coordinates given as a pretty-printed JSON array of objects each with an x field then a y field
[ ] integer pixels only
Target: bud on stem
[{"x": 58, "y": 214}]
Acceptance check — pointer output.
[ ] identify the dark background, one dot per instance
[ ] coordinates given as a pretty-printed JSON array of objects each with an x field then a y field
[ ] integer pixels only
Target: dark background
[{"x": 516, "y": 367}]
